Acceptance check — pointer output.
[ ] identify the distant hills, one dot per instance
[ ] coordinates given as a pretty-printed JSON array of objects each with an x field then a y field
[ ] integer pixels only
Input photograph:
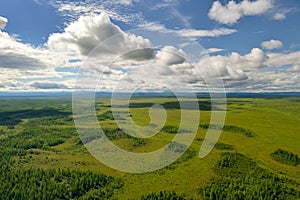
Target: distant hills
[{"x": 150, "y": 94}]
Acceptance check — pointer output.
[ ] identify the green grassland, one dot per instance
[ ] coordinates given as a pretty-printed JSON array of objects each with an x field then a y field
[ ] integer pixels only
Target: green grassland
[{"x": 256, "y": 155}]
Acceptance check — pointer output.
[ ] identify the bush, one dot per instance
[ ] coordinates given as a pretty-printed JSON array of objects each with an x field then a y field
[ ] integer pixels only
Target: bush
[
  {"x": 285, "y": 157},
  {"x": 115, "y": 134},
  {"x": 222, "y": 146},
  {"x": 228, "y": 128},
  {"x": 170, "y": 129},
  {"x": 138, "y": 142}
]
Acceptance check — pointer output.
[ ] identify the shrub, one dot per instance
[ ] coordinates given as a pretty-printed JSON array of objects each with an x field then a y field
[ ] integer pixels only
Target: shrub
[
  {"x": 285, "y": 157},
  {"x": 222, "y": 146},
  {"x": 229, "y": 128},
  {"x": 170, "y": 129}
]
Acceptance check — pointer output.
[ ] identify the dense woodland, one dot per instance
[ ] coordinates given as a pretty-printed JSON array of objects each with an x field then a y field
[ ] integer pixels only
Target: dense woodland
[{"x": 54, "y": 184}]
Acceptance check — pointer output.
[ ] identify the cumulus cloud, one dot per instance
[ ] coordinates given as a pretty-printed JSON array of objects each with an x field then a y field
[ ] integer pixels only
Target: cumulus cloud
[
  {"x": 165, "y": 67},
  {"x": 227, "y": 67},
  {"x": 255, "y": 71},
  {"x": 169, "y": 55},
  {"x": 87, "y": 32},
  {"x": 8, "y": 84},
  {"x": 3, "y": 22},
  {"x": 232, "y": 12},
  {"x": 14, "y": 54},
  {"x": 234, "y": 67},
  {"x": 155, "y": 76},
  {"x": 294, "y": 68},
  {"x": 281, "y": 14},
  {"x": 139, "y": 54},
  {"x": 84, "y": 34},
  {"x": 49, "y": 85},
  {"x": 271, "y": 44},
  {"x": 255, "y": 59},
  {"x": 283, "y": 59},
  {"x": 273, "y": 80},
  {"x": 20, "y": 62},
  {"x": 169, "y": 66}
]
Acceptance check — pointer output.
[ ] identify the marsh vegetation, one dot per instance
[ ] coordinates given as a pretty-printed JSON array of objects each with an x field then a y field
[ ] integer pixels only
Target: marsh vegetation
[{"x": 256, "y": 157}]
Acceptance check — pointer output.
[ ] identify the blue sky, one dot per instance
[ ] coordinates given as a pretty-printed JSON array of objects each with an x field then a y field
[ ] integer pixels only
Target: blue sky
[{"x": 254, "y": 44}]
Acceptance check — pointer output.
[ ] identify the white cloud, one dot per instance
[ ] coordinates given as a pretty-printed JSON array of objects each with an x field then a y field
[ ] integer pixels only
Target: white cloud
[
  {"x": 228, "y": 14},
  {"x": 214, "y": 50},
  {"x": 120, "y": 10},
  {"x": 124, "y": 2},
  {"x": 279, "y": 16},
  {"x": 236, "y": 69},
  {"x": 169, "y": 55},
  {"x": 165, "y": 4},
  {"x": 294, "y": 68},
  {"x": 271, "y": 44},
  {"x": 227, "y": 67},
  {"x": 232, "y": 12},
  {"x": 21, "y": 60},
  {"x": 282, "y": 59},
  {"x": 254, "y": 71},
  {"x": 234, "y": 63},
  {"x": 3, "y": 22},
  {"x": 83, "y": 35},
  {"x": 273, "y": 81},
  {"x": 15, "y": 54},
  {"x": 189, "y": 32},
  {"x": 154, "y": 26},
  {"x": 6, "y": 84},
  {"x": 206, "y": 33},
  {"x": 48, "y": 85},
  {"x": 255, "y": 59},
  {"x": 183, "y": 18}
]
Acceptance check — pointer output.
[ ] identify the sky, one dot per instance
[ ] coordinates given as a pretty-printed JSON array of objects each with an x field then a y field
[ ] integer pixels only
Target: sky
[{"x": 242, "y": 45}]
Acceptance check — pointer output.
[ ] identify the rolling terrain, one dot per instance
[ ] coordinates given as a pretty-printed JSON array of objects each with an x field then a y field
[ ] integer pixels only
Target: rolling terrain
[{"x": 42, "y": 156}]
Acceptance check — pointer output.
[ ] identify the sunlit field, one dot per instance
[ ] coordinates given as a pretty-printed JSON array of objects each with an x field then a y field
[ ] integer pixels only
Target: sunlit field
[{"x": 257, "y": 153}]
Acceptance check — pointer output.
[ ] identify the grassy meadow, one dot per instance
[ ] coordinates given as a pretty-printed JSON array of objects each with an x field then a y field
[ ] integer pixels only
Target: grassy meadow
[{"x": 256, "y": 155}]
